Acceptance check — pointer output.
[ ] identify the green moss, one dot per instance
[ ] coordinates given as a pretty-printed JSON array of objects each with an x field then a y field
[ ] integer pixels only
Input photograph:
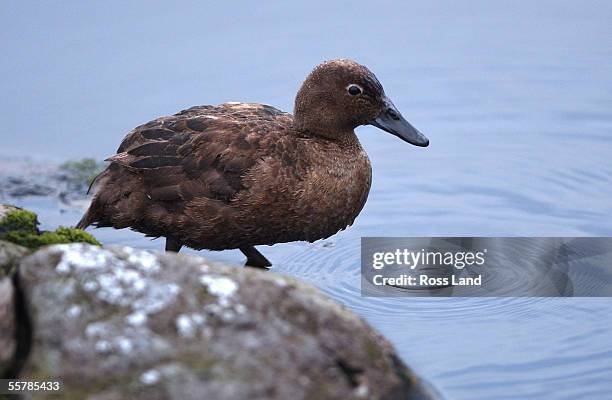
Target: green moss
[
  {"x": 60, "y": 235},
  {"x": 82, "y": 171},
  {"x": 20, "y": 227},
  {"x": 74, "y": 235},
  {"x": 19, "y": 220}
]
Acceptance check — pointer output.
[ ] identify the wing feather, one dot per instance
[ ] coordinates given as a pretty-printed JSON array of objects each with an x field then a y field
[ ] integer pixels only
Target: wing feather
[{"x": 200, "y": 152}]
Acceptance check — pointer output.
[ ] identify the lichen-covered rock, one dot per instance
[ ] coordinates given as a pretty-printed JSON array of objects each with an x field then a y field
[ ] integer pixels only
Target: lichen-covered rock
[
  {"x": 122, "y": 323},
  {"x": 21, "y": 227},
  {"x": 10, "y": 254}
]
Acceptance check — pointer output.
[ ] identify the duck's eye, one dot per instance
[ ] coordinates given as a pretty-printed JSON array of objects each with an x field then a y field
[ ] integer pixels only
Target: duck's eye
[{"x": 354, "y": 90}]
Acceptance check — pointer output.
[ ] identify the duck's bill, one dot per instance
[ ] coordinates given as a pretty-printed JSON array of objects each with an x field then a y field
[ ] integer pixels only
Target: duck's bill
[{"x": 392, "y": 121}]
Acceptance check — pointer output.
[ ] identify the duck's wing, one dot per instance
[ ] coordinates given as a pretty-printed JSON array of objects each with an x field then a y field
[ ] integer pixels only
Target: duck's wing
[{"x": 201, "y": 152}]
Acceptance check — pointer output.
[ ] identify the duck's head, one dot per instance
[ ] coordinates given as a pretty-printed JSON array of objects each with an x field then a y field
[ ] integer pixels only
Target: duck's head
[{"x": 340, "y": 95}]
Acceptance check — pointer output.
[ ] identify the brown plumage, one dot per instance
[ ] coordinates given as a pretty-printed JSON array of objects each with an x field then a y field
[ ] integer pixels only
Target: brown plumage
[{"x": 238, "y": 175}]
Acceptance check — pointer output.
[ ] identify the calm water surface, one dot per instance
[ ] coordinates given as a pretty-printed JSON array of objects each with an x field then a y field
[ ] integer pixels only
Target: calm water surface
[{"x": 516, "y": 100}]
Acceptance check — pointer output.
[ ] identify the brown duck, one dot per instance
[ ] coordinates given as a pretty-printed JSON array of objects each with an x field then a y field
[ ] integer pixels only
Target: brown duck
[{"x": 239, "y": 175}]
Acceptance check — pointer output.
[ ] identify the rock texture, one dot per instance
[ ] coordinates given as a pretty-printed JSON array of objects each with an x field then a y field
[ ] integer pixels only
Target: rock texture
[
  {"x": 7, "y": 325},
  {"x": 121, "y": 323},
  {"x": 10, "y": 254}
]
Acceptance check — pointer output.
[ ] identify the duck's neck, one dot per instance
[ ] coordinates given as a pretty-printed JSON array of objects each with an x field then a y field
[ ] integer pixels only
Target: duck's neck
[
  {"x": 344, "y": 138},
  {"x": 314, "y": 119}
]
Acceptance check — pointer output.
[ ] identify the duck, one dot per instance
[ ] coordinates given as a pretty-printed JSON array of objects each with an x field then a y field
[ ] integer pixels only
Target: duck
[{"x": 239, "y": 175}]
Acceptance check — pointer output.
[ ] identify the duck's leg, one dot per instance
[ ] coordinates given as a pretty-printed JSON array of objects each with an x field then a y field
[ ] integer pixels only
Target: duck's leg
[
  {"x": 173, "y": 245},
  {"x": 255, "y": 258}
]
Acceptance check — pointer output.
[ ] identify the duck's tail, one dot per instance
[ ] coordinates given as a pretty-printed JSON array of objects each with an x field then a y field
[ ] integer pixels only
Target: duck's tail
[
  {"x": 89, "y": 216},
  {"x": 115, "y": 202},
  {"x": 85, "y": 221}
]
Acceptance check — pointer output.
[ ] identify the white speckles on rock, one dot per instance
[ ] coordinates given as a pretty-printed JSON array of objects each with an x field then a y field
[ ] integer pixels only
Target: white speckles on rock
[
  {"x": 280, "y": 281},
  {"x": 121, "y": 285},
  {"x": 110, "y": 290},
  {"x": 219, "y": 286},
  {"x": 140, "y": 285},
  {"x": 96, "y": 329},
  {"x": 128, "y": 276},
  {"x": 146, "y": 261},
  {"x": 227, "y": 315},
  {"x": 124, "y": 344},
  {"x": 150, "y": 377},
  {"x": 121, "y": 280},
  {"x": 108, "y": 345},
  {"x": 81, "y": 256},
  {"x": 198, "y": 318},
  {"x": 362, "y": 391},
  {"x": 187, "y": 325},
  {"x": 63, "y": 268},
  {"x": 156, "y": 298},
  {"x": 137, "y": 318},
  {"x": 74, "y": 311},
  {"x": 90, "y": 286},
  {"x": 103, "y": 346}
]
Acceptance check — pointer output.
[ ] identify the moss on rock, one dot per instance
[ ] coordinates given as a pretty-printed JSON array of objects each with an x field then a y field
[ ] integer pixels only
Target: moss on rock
[
  {"x": 59, "y": 236},
  {"x": 21, "y": 227},
  {"x": 15, "y": 219}
]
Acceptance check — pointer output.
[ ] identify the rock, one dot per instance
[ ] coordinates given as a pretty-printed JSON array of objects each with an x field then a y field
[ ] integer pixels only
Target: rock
[
  {"x": 10, "y": 254},
  {"x": 68, "y": 181},
  {"x": 8, "y": 344},
  {"x": 19, "y": 178},
  {"x": 121, "y": 323}
]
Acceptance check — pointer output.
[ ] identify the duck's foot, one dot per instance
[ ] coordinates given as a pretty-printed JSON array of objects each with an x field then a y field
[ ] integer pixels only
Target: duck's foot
[
  {"x": 173, "y": 245},
  {"x": 255, "y": 258}
]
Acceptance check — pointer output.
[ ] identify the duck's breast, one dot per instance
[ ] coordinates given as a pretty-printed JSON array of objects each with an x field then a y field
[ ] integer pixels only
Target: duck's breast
[
  {"x": 338, "y": 190},
  {"x": 317, "y": 192}
]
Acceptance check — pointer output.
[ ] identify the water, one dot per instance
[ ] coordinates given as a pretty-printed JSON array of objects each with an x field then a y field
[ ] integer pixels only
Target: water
[{"x": 515, "y": 98}]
